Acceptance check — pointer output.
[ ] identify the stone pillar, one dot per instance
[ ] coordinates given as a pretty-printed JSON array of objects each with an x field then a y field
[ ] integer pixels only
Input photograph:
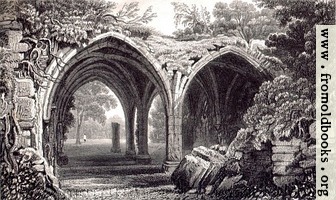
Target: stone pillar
[
  {"x": 142, "y": 136},
  {"x": 130, "y": 146},
  {"x": 115, "y": 138},
  {"x": 174, "y": 141}
]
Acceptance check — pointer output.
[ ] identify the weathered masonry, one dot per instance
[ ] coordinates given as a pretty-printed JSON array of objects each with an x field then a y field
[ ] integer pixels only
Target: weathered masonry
[{"x": 204, "y": 104}]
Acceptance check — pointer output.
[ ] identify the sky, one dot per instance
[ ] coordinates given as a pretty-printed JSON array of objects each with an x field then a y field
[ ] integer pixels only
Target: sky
[{"x": 164, "y": 22}]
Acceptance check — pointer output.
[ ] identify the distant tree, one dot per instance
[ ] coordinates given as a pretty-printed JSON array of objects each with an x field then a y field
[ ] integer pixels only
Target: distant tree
[
  {"x": 157, "y": 121},
  {"x": 194, "y": 18},
  {"x": 244, "y": 20},
  {"x": 296, "y": 47},
  {"x": 91, "y": 102},
  {"x": 93, "y": 129}
]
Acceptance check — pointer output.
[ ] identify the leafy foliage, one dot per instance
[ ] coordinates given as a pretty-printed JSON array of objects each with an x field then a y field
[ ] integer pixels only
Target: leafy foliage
[
  {"x": 129, "y": 14},
  {"x": 8, "y": 8},
  {"x": 312, "y": 11},
  {"x": 6, "y": 73},
  {"x": 9, "y": 127},
  {"x": 278, "y": 107},
  {"x": 296, "y": 47},
  {"x": 283, "y": 105},
  {"x": 91, "y": 102},
  {"x": 140, "y": 31},
  {"x": 69, "y": 22},
  {"x": 75, "y": 22},
  {"x": 157, "y": 121}
]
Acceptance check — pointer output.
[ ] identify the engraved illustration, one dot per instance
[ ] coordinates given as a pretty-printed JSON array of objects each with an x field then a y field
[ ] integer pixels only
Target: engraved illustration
[{"x": 104, "y": 99}]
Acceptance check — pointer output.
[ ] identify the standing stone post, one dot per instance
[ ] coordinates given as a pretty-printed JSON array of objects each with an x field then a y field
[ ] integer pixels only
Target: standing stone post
[{"x": 115, "y": 138}]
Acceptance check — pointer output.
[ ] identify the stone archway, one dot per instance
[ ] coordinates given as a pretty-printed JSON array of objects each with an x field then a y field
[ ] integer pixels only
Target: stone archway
[
  {"x": 215, "y": 96},
  {"x": 119, "y": 63}
]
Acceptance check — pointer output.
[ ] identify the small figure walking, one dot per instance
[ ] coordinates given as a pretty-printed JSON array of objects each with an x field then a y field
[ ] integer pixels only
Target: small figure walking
[{"x": 84, "y": 138}]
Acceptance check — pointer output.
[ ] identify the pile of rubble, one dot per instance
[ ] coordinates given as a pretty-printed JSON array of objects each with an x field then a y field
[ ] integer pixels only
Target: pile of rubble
[
  {"x": 247, "y": 175},
  {"x": 32, "y": 180}
]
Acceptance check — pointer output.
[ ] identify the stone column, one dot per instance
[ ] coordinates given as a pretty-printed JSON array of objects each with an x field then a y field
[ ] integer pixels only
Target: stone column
[
  {"x": 130, "y": 146},
  {"x": 174, "y": 141},
  {"x": 142, "y": 136},
  {"x": 115, "y": 138}
]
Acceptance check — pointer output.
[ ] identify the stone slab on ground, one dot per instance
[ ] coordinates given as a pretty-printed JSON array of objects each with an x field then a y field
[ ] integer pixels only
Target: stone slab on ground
[{"x": 198, "y": 169}]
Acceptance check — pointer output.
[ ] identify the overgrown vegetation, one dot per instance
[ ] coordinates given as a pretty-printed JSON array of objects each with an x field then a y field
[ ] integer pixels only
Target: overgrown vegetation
[
  {"x": 75, "y": 22},
  {"x": 280, "y": 106},
  {"x": 24, "y": 174},
  {"x": 280, "y": 109},
  {"x": 182, "y": 55},
  {"x": 296, "y": 47}
]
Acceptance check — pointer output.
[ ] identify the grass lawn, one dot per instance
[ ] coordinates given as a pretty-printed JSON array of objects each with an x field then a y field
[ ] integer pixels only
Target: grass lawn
[
  {"x": 94, "y": 172},
  {"x": 97, "y": 152}
]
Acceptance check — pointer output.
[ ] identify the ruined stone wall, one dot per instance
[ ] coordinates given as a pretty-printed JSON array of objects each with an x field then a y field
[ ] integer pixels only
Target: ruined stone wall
[
  {"x": 23, "y": 87},
  {"x": 25, "y": 174},
  {"x": 292, "y": 161},
  {"x": 256, "y": 166}
]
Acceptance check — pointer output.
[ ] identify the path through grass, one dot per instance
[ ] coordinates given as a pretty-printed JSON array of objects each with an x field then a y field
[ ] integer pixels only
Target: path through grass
[{"x": 94, "y": 172}]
